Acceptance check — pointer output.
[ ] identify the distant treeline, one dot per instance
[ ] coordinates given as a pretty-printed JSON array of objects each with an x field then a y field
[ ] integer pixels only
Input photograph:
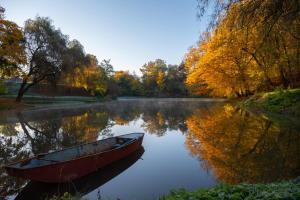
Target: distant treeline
[
  {"x": 39, "y": 54},
  {"x": 158, "y": 79}
]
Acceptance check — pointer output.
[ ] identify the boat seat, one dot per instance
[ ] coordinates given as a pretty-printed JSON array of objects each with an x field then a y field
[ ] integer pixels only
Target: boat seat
[
  {"x": 120, "y": 142},
  {"x": 117, "y": 145}
]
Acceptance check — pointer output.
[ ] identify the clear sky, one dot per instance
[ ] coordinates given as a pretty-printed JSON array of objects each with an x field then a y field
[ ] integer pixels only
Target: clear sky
[{"x": 129, "y": 32}]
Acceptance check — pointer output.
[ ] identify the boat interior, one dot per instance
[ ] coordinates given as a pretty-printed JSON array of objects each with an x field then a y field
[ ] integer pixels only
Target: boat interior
[{"x": 76, "y": 151}]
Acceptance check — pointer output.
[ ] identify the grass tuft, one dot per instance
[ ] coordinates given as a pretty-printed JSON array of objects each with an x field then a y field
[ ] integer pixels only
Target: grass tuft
[{"x": 278, "y": 101}]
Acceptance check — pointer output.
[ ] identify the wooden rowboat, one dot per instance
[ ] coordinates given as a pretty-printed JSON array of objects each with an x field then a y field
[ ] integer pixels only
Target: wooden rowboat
[
  {"x": 84, "y": 185},
  {"x": 75, "y": 162}
]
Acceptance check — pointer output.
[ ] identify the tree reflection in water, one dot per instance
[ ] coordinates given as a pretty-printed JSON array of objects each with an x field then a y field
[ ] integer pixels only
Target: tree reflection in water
[
  {"x": 235, "y": 145},
  {"x": 240, "y": 147},
  {"x": 29, "y": 136}
]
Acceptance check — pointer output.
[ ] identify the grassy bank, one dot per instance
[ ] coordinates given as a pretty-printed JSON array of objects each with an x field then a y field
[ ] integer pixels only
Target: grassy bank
[
  {"x": 7, "y": 102},
  {"x": 279, "y": 101},
  {"x": 282, "y": 190}
]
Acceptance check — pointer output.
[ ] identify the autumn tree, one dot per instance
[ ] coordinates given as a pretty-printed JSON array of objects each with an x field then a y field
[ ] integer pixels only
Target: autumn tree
[
  {"x": 97, "y": 79},
  {"x": 253, "y": 46},
  {"x": 217, "y": 66},
  {"x": 12, "y": 52},
  {"x": 74, "y": 62},
  {"x": 82, "y": 70}
]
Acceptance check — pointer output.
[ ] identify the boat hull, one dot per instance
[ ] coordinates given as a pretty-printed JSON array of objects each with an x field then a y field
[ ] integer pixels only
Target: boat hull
[{"x": 74, "y": 169}]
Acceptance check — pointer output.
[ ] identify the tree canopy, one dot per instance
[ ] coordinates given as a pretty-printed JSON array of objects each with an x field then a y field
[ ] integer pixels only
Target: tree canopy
[
  {"x": 45, "y": 47},
  {"x": 12, "y": 52},
  {"x": 247, "y": 52}
]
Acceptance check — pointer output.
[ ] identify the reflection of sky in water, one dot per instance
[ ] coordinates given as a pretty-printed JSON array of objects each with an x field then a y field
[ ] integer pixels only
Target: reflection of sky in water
[
  {"x": 15, "y": 139},
  {"x": 166, "y": 164}
]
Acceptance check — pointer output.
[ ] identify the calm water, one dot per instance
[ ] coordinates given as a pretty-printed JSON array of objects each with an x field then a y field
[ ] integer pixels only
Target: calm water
[{"x": 189, "y": 143}]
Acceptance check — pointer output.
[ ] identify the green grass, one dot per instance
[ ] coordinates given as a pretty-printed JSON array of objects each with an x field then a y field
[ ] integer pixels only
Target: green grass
[
  {"x": 288, "y": 190},
  {"x": 278, "y": 101}
]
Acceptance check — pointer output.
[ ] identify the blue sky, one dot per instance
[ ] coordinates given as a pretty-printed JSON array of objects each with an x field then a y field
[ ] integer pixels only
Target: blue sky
[{"x": 129, "y": 32}]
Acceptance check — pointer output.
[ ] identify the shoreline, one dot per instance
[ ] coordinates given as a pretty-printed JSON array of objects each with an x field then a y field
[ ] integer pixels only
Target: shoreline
[{"x": 277, "y": 103}]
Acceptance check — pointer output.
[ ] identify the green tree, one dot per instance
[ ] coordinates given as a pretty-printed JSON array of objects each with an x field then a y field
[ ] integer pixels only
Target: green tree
[
  {"x": 129, "y": 85},
  {"x": 175, "y": 81},
  {"x": 45, "y": 47},
  {"x": 153, "y": 77},
  {"x": 108, "y": 68}
]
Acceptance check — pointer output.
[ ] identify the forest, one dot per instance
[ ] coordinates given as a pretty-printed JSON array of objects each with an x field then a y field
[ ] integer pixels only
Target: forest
[
  {"x": 249, "y": 47},
  {"x": 40, "y": 53}
]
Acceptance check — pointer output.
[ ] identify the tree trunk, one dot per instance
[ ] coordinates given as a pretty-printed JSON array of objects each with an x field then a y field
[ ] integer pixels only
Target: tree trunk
[
  {"x": 268, "y": 81},
  {"x": 20, "y": 96},
  {"x": 21, "y": 91},
  {"x": 24, "y": 87},
  {"x": 284, "y": 81}
]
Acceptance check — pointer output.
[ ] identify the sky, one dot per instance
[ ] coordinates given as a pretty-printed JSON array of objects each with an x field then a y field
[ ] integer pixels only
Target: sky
[{"x": 129, "y": 32}]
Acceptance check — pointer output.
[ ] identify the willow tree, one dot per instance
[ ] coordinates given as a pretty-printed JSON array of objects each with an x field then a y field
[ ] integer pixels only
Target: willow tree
[
  {"x": 220, "y": 62},
  {"x": 277, "y": 24},
  {"x": 45, "y": 47},
  {"x": 252, "y": 46}
]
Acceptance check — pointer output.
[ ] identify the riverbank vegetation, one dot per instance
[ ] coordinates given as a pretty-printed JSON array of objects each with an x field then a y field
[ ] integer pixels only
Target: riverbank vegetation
[
  {"x": 281, "y": 190},
  {"x": 279, "y": 101}
]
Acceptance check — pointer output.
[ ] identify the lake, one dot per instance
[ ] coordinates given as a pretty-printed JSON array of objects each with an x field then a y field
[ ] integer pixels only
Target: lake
[{"x": 188, "y": 143}]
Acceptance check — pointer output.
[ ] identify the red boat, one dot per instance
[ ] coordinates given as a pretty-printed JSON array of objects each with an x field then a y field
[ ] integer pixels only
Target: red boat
[
  {"x": 84, "y": 185},
  {"x": 75, "y": 162}
]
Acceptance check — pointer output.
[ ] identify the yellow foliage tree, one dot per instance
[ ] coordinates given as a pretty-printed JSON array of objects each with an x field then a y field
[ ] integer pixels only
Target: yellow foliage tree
[
  {"x": 12, "y": 52},
  {"x": 239, "y": 59}
]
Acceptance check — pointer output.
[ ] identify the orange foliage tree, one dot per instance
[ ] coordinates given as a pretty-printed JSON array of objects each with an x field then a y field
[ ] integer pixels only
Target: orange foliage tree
[{"x": 245, "y": 54}]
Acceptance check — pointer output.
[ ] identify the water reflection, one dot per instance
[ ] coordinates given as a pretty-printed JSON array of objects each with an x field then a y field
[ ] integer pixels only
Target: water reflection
[
  {"x": 240, "y": 147},
  {"x": 232, "y": 144}
]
